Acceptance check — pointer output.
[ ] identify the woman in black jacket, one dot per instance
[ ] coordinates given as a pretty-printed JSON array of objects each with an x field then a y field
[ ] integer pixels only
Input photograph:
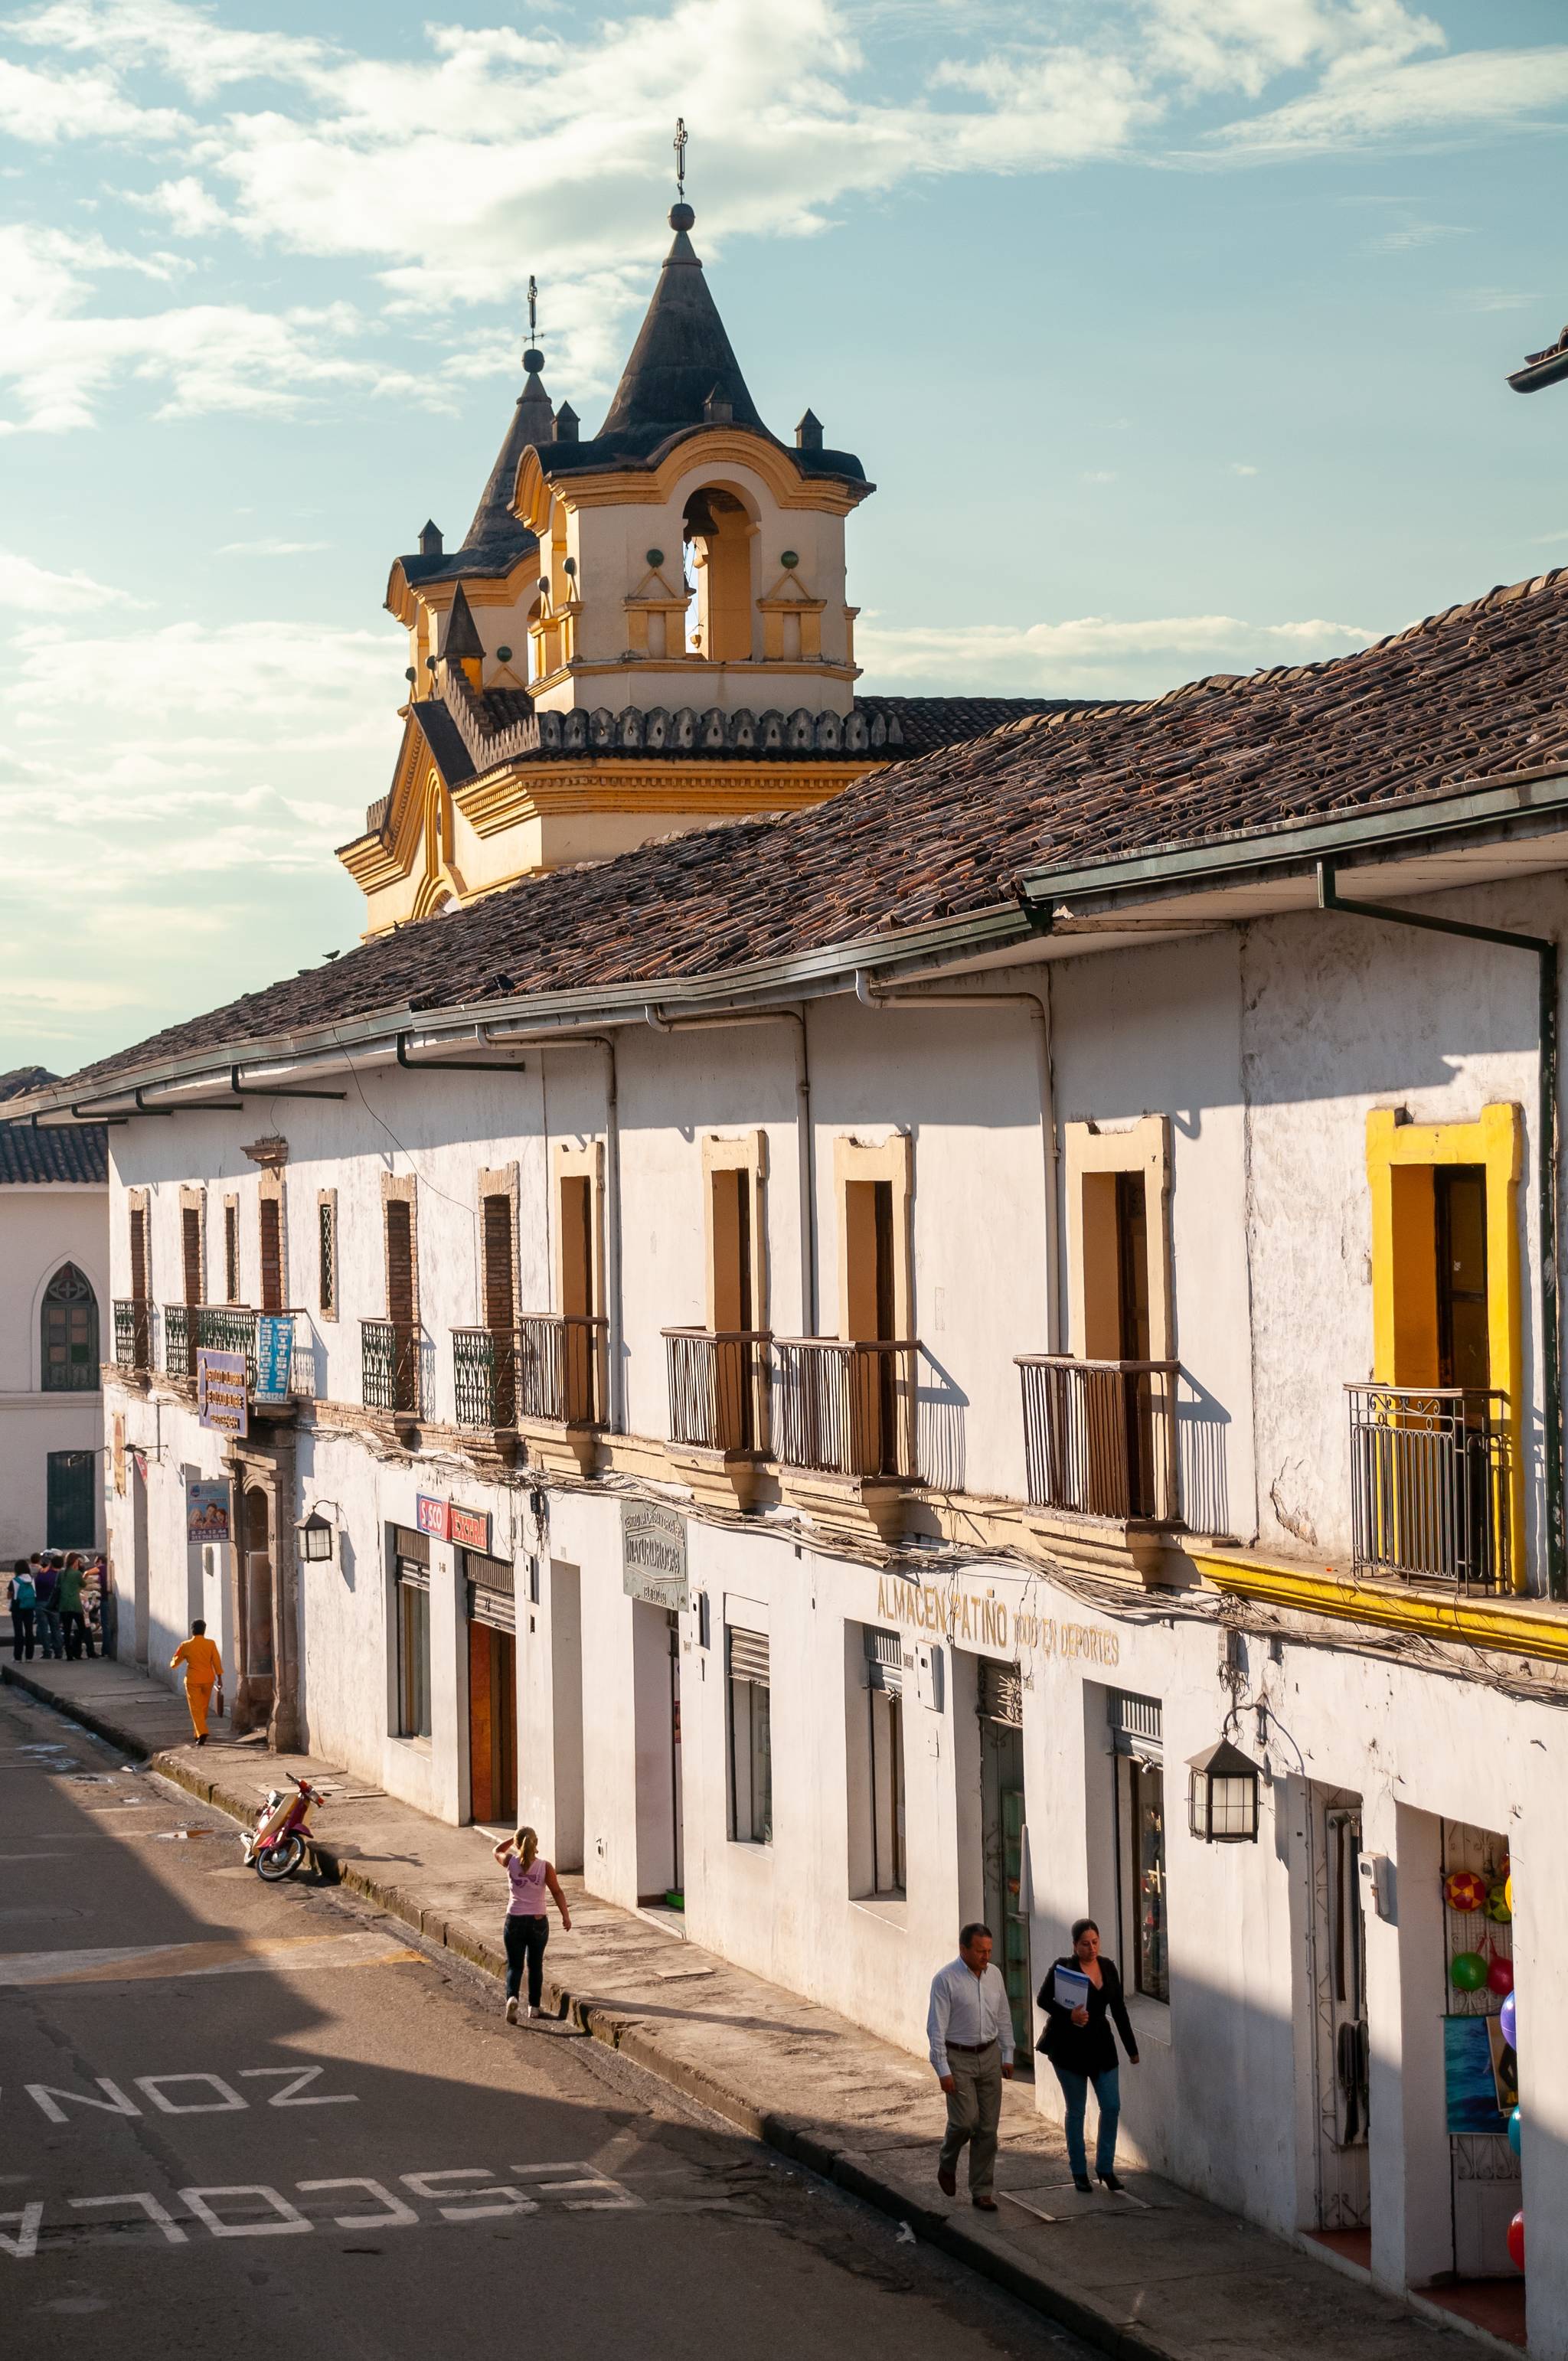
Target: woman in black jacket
[{"x": 1079, "y": 2044}]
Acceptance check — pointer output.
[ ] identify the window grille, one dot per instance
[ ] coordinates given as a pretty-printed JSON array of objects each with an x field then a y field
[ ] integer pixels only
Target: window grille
[
  {"x": 1138, "y": 1724},
  {"x": 884, "y": 1660},
  {"x": 326, "y": 1233}
]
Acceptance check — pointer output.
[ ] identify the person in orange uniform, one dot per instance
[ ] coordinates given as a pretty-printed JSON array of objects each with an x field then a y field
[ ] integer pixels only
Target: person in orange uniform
[{"x": 203, "y": 1670}]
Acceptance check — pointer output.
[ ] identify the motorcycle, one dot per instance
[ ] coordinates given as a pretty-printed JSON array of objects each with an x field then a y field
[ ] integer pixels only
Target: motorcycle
[{"x": 281, "y": 1838}]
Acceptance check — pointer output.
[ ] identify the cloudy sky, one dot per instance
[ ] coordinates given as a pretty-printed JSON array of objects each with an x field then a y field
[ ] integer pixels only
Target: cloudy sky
[{"x": 1172, "y": 331}]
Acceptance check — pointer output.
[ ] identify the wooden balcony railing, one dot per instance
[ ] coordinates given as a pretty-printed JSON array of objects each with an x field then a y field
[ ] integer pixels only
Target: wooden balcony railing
[
  {"x": 551, "y": 1366},
  {"x": 1100, "y": 1436},
  {"x": 719, "y": 1388},
  {"x": 847, "y": 1408},
  {"x": 389, "y": 1360},
  {"x": 133, "y": 1334},
  {"x": 1429, "y": 1484}
]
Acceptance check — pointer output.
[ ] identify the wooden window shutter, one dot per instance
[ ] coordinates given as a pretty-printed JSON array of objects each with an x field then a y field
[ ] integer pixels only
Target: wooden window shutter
[
  {"x": 231, "y": 1254},
  {"x": 191, "y": 1247},
  {"x": 399, "y": 1263},
  {"x": 138, "y": 1254},
  {"x": 498, "y": 1291},
  {"x": 272, "y": 1255}
]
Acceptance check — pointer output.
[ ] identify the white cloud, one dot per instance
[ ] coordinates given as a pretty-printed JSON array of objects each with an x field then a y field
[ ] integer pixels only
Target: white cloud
[
  {"x": 1478, "y": 90},
  {"x": 1242, "y": 467},
  {"x": 1098, "y": 476},
  {"x": 39, "y": 592},
  {"x": 190, "y": 209},
  {"x": 271, "y": 548},
  {"x": 268, "y": 673},
  {"x": 45, "y": 107},
  {"x": 1415, "y": 234},
  {"x": 1098, "y": 652}
]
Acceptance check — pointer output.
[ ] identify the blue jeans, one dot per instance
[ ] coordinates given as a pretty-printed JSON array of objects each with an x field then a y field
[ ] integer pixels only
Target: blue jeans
[
  {"x": 1108, "y": 2092},
  {"x": 50, "y": 1633}
]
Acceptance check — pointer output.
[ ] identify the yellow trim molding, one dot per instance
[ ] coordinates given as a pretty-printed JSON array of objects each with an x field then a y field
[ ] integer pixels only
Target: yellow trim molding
[{"x": 1538, "y": 1628}]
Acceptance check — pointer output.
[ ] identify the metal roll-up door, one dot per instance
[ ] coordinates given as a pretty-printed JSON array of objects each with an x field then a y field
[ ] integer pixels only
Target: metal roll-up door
[
  {"x": 1001, "y": 1693},
  {"x": 494, "y": 1607},
  {"x": 884, "y": 1660},
  {"x": 412, "y": 1546},
  {"x": 490, "y": 1573},
  {"x": 748, "y": 1656}
]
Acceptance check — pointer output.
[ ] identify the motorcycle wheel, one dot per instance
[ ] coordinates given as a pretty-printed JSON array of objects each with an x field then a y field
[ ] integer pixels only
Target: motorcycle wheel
[{"x": 281, "y": 1861}]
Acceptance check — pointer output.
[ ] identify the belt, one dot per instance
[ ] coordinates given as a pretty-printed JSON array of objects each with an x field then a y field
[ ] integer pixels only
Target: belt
[{"x": 973, "y": 2048}]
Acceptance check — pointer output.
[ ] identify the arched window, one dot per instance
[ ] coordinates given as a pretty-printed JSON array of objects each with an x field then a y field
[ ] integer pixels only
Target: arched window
[{"x": 69, "y": 1360}]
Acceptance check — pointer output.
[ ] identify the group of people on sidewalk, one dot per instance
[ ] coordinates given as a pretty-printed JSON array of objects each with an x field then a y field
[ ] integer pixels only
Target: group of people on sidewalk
[
  {"x": 968, "y": 2030},
  {"x": 55, "y": 1599}
]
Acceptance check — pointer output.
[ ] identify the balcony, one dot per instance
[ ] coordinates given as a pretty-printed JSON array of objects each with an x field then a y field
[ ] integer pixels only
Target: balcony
[
  {"x": 133, "y": 1335},
  {"x": 550, "y": 1368},
  {"x": 1099, "y": 1437},
  {"x": 718, "y": 1389},
  {"x": 390, "y": 1354},
  {"x": 193, "y": 1328},
  {"x": 846, "y": 1409},
  {"x": 1429, "y": 1474}
]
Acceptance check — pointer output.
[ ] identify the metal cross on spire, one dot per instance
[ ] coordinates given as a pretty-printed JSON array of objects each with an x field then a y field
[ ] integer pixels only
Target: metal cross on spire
[
  {"x": 680, "y": 144},
  {"x": 532, "y": 309}
]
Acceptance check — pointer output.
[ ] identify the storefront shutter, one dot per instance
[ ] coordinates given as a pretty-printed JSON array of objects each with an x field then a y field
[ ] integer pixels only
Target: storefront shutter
[
  {"x": 1001, "y": 1693},
  {"x": 1138, "y": 1724},
  {"x": 748, "y": 1656},
  {"x": 490, "y": 1573},
  {"x": 494, "y": 1607},
  {"x": 409, "y": 1543},
  {"x": 884, "y": 1660}
]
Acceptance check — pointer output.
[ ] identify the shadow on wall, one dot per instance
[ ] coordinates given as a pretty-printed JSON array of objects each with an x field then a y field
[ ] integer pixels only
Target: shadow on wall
[
  {"x": 940, "y": 1406},
  {"x": 1203, "y": 1427}
]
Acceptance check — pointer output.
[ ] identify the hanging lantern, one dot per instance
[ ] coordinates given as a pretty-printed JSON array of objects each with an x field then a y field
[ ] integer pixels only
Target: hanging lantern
[
  {"x": 314, "y": 1535},
  {"x": 1223, "y": 1795}
]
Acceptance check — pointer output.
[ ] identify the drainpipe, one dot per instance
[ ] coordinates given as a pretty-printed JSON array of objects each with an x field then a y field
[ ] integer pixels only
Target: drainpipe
[
  {"x": 806, "y": 1142},
  {"x": 1036, "y": 1007},
  {"x": 1546, "y": 1131}
]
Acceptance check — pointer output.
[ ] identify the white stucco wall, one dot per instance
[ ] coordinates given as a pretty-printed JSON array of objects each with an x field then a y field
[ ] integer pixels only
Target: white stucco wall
[{"x": 41, "y": 1227}]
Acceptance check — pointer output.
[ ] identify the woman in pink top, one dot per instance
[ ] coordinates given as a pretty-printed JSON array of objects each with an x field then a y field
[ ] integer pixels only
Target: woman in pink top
[{"x": 526, "y": 1926}]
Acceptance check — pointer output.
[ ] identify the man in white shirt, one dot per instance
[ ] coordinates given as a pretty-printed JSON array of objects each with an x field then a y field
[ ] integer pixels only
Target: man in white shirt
[{"x": 968, "y": 2030}]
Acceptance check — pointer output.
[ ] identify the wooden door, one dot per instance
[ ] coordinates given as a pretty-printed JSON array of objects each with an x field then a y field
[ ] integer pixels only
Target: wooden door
[
  {"x": 272, "y": 1255},
  {"x": 500, "y": 1308}
]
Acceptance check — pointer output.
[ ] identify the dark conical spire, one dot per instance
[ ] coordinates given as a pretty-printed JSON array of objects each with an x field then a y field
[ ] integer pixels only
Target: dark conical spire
[
  {"x": 462, "y": 634},
  {"x": 530, "y": 425},
  {"x": 682, "y": 358}
]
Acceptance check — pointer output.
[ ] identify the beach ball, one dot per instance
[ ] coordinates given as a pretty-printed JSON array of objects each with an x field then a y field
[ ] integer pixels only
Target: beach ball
[
  {"x": 1464, "y": 1890},
  {"x": 1499, "y": 1902},
  {"x": 1516, "y": 2131},
  {"x": 1467, "y": 1971},
  {"x": 1508, "y": 1892},
  {"x": 1516, "y": 2239},
  {"x": 1500, "y": 1977},
  {"x": 1508, "y": 2019}
]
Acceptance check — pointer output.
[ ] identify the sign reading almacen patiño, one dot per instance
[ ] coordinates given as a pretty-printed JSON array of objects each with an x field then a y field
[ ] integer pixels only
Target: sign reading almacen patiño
[{"x": 653, "y": 1554}]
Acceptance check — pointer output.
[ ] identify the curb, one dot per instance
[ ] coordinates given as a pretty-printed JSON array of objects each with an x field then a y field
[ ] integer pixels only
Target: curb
[{"x": 792, "y": 2137}]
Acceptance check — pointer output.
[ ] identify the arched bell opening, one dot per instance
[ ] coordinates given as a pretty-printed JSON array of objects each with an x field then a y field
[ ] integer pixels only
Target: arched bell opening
[{"x": 720, "y": 532}]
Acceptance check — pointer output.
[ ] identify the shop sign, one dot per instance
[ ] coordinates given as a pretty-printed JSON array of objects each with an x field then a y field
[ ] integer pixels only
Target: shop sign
[
  {"x": 973, "y": 1619},
  {"x": 470, "y": 1527},
  {"x": 221, "y": 1402},
  {"x": 653, "y": 1554},
  {"x": 207, "y": 1512},
  {"x": 274, "y": 1357}
]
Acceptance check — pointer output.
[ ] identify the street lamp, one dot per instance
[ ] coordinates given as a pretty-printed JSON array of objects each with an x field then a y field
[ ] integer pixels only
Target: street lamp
[
  {"x": 1222, "y": 1796},
  {"x": 316, "y": 1538}
]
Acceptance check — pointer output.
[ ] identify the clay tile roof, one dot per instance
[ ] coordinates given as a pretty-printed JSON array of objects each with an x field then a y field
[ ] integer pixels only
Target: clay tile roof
[
  {"x": 1476, "y": 693},
  {"x": 28, "y": 1157}
]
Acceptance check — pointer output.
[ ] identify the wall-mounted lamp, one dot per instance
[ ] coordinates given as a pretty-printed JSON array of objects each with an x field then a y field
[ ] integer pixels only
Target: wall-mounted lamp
[
  {"x": 317, "y": 1536},
  {"x": 1222, "y": 1796}
]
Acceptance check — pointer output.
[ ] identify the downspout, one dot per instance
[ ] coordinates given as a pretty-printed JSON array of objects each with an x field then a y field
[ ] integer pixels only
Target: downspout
[
  {"x": 1037, "y": 1008},
  {"x": 806, "y": 1141},
  {"x": 1546, "y": 1128}
]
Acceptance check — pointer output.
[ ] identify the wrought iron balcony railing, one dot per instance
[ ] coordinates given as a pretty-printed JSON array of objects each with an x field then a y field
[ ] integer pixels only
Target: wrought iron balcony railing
[
  {"x": 133, "y": 1334},
  {"x": 193, "y": 1328},
  {"x": 719, "y": 1388},
  {"x": 551, "y": 1366},
  {"x": 1100, "y": 1436},
  {"x": 1429, "y": 1477},
  {"x": 179, "y": 1341},
  {"x": 847, "y": 1408},
  {"x": 389, "y": 1365}
]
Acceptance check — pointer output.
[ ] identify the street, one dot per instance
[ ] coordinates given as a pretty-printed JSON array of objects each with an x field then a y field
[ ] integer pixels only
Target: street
[{"x": 260, "y": 2120}]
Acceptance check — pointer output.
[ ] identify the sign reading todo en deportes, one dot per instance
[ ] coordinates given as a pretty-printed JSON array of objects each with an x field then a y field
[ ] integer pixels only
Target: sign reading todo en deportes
[
  {"x": 653, "y": 1554},
  {"x": 221, "y": 1398}
]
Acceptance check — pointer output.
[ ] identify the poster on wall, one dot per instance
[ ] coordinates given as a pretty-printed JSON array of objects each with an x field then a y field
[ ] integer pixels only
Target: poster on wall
[
  {"x": 207, "y": 1512},
  {"x": 1471, "y": 2079}
]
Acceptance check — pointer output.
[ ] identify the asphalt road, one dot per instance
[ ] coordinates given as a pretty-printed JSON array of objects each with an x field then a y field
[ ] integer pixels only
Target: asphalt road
[{"x": 336, "y": 2147}]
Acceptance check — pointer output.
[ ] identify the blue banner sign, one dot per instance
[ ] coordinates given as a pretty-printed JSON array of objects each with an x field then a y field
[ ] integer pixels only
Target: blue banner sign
[{"x": 274, "y": 1357}]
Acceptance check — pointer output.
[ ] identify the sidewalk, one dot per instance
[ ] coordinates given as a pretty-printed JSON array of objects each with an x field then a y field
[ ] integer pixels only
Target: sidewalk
[{"x": 1157, "y": 2274}]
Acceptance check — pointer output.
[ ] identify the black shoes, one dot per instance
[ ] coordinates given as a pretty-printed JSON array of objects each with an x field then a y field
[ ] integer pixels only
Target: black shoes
[
  {"x": 1110, "y": 2182},
  {"x": 1081, "y": 2181}
]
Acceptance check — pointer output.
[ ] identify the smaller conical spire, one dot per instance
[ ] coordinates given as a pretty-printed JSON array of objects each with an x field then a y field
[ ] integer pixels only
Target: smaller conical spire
[
  {"x": 808, "y": 432},
  {"x": 461, "y": 638},
  {"x": 430, "y": 539}
]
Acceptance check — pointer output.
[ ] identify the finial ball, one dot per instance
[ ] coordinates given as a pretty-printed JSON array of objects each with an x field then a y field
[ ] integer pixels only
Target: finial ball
[
  {"x": 533, "y": 358},
  {"x": 681, "y": 216}
]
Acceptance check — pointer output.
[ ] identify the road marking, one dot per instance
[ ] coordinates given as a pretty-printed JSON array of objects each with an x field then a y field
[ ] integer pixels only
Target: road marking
[
  {"x": 254, "y": 2209},
  {"x": 140, "y": 1963},
  {"x": 53, "y": 2098},
  {"x": 298, "y": 2078}
]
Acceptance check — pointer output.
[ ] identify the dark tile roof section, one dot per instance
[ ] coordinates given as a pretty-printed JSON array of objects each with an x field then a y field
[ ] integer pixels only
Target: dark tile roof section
[
  {"x": 22, "y": 1078},
  {"x": 497, "y": 538},
  {"x": 1475, "y": 693},
  {"x": 29, "y": 1158}
]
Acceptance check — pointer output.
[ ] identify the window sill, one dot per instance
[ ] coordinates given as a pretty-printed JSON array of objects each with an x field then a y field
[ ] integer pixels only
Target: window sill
[
  {"x": 763, "y": 1845},
  {"x": 416, "y": 1745},
  {"x": 893, "y": 1909},
  {"x": 1150, "y": 2019}
]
